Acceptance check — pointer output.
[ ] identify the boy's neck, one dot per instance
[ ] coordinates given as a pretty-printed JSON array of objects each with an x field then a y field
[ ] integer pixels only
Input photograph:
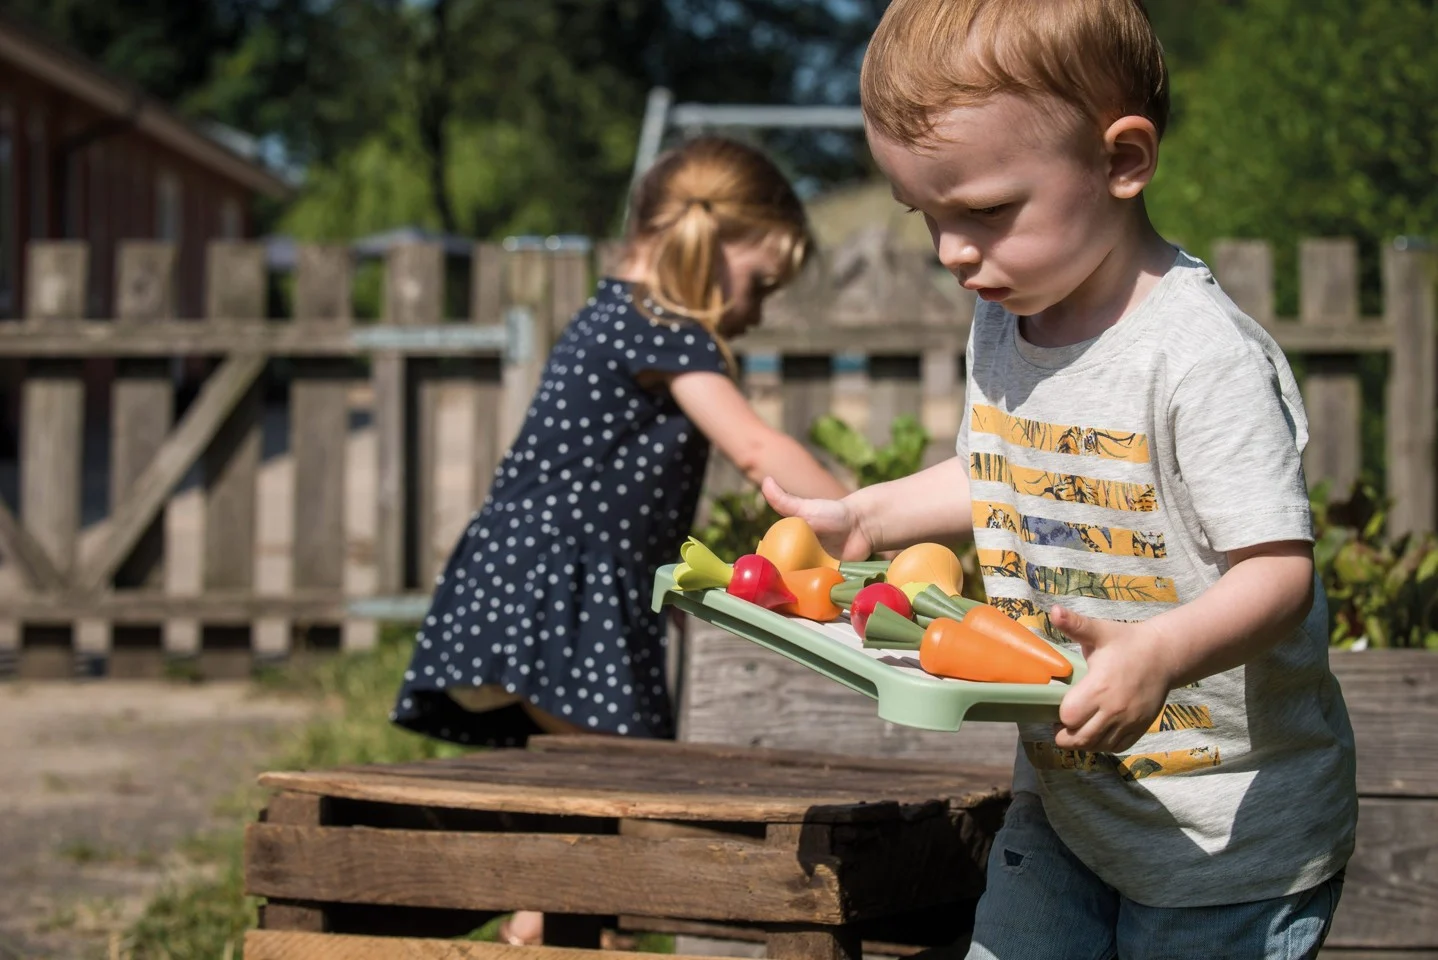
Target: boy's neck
[{"x": 1120, "y": 283}]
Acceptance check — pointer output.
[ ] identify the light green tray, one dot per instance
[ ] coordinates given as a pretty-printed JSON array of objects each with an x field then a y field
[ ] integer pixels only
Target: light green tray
[{"x": 905, "y": 693}]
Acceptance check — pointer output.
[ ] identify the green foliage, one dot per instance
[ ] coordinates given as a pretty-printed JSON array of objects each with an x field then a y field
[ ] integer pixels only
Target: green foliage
[
  {"x": 737, "y": 521},
  {"x": 1381, "y": 590},
  {"x": 1306, "y": 118}
]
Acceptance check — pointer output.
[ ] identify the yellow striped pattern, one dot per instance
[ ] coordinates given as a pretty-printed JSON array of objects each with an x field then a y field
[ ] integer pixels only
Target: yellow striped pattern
[
  {"x": 1064, "y": 487},
  {"x": 1068, "y": 582},
  {"x": 1060, "y": 438},
  {"x": 1133, "y": 766},
  {"x": 1114, "y": 541}
]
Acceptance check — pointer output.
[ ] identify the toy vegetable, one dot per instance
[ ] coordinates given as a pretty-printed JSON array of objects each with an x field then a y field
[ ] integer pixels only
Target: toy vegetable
[
  {"x": 813, "y": 593},
  {"x": 874, "y": 596},
  {"x": 792, "y": 545},
  {"x": 955, "y": 649},
  {"x": 701, "y": 569},
  {"x": 933, "y": 603},
  {"x": 757, "y": 580},
  {"x": 927, "y": 563}
]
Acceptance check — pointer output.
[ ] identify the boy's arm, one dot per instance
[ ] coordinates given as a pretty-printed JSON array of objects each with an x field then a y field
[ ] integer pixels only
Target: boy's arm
[
  {"x": 1258, "y": 602},
  {"x": 932, "y": 504}
]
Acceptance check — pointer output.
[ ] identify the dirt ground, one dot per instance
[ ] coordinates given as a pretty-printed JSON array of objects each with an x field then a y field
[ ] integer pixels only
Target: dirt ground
[{"x": 101, "y": 787}]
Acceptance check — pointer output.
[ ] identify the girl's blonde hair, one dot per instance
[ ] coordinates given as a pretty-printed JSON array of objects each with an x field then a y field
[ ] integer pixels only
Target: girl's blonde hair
[{"x": 704, "y": 193}]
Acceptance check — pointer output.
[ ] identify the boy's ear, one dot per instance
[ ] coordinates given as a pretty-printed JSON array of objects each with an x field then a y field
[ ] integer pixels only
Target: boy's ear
[{"x": 1131, "y": 144}]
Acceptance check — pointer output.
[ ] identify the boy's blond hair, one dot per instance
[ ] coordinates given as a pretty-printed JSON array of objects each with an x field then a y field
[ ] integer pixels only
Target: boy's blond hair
[{"x": 1097, "y": 60}]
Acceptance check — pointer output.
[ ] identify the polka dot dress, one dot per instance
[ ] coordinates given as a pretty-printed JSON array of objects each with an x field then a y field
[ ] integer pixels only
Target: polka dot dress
[{"x": 548, "y": 592}]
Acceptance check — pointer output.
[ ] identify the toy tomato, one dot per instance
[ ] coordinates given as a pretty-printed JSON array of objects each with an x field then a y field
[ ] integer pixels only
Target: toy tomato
[{"x": 874, "y": 595}]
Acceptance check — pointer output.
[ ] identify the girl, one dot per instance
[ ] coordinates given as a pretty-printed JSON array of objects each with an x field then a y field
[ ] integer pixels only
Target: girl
[{"x": 542, "y": 620}]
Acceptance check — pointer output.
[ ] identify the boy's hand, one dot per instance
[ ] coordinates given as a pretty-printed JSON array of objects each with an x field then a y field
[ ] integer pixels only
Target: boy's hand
[
  {"x": 835, "y": 524},
  {"x": 1124, "y": 689}
]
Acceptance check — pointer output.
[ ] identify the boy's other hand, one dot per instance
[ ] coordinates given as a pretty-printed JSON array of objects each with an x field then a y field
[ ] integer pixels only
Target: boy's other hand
[
  {"x": 1123, "y": 691},
  {"x": 833, "y": 522}
]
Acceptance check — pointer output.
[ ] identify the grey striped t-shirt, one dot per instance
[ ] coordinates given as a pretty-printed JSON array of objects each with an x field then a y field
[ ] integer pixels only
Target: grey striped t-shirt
[{"x": 1114, "y": 475}]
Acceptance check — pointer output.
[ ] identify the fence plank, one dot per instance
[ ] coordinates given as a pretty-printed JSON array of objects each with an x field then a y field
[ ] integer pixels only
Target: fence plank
[
  {"x": 1328, "y": 296},
  {"x": 527, "y": 316},
  {"x": 1245, "y": 268},
  {"x": 235, "y": 289},
  {"x": 319, "y": 431},
  {"x": 942, "y": 402},
  {"x": 52, "y": 425},
  {"x": 53, "y": 405},
  {"x": 897, "y": 385},
  {"x": 1408, "y": 306},
  {"x": 414, "y": 279},
  {"x": 487, "y": 309},
  {"x": 806, "y": 389},
  {"x": 1390, "y": 897},
  {"x": 143, "y": 396},
  {"x": 217, "y": 399}
]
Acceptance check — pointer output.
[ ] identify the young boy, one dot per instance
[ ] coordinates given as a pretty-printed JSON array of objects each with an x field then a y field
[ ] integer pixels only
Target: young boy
[{"x": 1129, "y": 465}]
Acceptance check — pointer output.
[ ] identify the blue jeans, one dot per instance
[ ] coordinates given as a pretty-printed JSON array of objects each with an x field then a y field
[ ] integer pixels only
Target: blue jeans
[{"x": 1042, "y": 903}]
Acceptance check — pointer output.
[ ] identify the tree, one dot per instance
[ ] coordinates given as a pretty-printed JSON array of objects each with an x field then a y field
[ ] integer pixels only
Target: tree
[{"x": 1308, "y": 118}]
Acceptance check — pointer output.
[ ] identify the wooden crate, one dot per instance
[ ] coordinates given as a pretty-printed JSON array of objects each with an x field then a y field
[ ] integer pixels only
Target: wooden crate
[
  {"x": 1390, "y": 900},
  {"x": 815, "y": 854}
]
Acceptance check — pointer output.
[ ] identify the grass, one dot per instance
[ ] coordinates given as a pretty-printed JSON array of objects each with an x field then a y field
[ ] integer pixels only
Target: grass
[{"x": 208, "y": 918}]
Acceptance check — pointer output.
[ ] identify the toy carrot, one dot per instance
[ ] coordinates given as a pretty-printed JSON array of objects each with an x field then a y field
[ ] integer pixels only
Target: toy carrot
[
  {"x": 813, "y": 593},
  {"x": 950, "y": 648},
  {"x": 993, "y": 623}
]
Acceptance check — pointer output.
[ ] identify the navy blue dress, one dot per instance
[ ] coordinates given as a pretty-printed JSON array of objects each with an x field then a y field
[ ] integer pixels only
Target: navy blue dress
[{"x": 547, "y": 593}]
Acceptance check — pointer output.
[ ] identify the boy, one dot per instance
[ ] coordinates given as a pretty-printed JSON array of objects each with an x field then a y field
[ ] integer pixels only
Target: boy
[{"x": 1129, "y": 465}]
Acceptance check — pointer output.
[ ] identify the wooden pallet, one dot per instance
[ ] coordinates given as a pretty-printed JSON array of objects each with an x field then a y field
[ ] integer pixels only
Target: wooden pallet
[{"x": 817, "y": 855}]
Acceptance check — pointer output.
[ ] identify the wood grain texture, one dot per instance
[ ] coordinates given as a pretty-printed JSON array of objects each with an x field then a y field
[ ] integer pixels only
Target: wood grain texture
[
  {"x": 1392, "y": 698},
  {"x": 201, "y": 422},
  {"x": 319, "y": 423},
  {"x": 21, "y": 548},
  {"x": 550, "y": 872},
  {"x": 824, "y": 944},
  {"x": 234, "y": 287},
  {"x": 53, "y": 405},
  {"x": 739, "y": 693},
  {"x": 1328, "y": 295},
  {"x": 143, "y": 397},
  {"x": 286, "y": 945},
  {"x": 1390, "y": 896},
  {"x": 1410, "y": 311}
]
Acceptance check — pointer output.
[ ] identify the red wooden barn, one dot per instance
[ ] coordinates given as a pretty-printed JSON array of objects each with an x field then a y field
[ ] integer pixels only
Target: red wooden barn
[{"x": 85, "y": 155}]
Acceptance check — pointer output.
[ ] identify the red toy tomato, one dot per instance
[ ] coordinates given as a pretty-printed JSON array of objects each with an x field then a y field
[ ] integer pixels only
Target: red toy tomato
[
  {"x": 757, "y": 580},
  {"x": 872, "y": 596}
]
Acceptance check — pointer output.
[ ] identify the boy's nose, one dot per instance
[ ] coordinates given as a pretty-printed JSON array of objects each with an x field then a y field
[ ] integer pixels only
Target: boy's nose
[{"x": 957, "y": 252}]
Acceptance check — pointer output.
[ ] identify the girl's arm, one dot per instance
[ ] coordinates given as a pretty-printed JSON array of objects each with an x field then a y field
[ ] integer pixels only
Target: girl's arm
[{"x": 717, "y": 407}]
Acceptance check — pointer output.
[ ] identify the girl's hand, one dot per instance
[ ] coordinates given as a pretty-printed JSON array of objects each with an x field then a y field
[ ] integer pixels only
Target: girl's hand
[{"x": 835, "y": 524}]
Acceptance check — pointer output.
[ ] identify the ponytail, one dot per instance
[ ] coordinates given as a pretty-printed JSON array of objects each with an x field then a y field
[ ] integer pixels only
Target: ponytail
[{"x": 698, "y": 196}]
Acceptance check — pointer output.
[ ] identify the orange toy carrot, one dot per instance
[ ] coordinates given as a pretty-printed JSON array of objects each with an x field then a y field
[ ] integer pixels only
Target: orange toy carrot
[
  {"x": 992, "y": 623},
  {"x": 811, "y": 589},
  {"x": 950, "y": 648}
]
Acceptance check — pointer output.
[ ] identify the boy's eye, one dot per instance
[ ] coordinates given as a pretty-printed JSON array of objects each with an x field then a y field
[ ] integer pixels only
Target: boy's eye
[
  {"x": 909, "y": 209},
  {"x": 989, "y": 211}
]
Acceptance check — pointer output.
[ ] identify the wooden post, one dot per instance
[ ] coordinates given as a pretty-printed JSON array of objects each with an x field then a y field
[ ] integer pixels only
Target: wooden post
[
  {"x": 142, "y": 411},
  {"x": 1408, "y": 306},
  {"x": 527, "y": 317},
  {"x": 414, "y": 275},
  {"x": 319, "y": 429},
  {"x": 1245, "y": 268},
  {"x": 487, "y": 309},
  {"x": 300, "y": 810},
  {"x": 942, "y": 403},
  {"x": 53, "y": 411},
  {"x": 1328, "y": 296},
  {"x": 235, "y": 290},
  {"x": 811, "y": 942}
]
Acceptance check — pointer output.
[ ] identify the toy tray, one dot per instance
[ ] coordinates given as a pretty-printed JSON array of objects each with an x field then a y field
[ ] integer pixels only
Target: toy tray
[{"x": 905, "y": 693}]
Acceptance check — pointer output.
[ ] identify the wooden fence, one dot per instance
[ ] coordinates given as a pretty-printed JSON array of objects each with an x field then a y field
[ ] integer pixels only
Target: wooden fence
[{"x": 237, "y": 524}]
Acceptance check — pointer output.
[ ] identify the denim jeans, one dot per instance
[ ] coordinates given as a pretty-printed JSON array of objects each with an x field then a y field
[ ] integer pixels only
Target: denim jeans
[{"x": 1042, "y": 903}]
